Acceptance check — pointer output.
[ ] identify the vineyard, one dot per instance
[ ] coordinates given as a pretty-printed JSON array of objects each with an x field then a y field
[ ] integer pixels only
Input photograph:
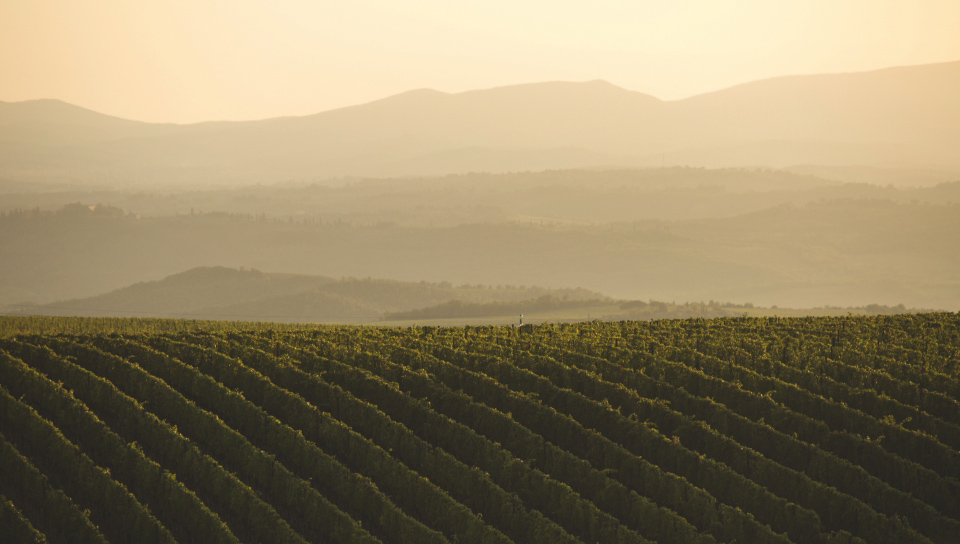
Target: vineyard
[{"x": 746, "y": 430}]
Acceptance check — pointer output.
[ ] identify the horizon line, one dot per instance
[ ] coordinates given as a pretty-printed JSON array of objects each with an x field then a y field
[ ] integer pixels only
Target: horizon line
[{"x": 482, "y": 89}]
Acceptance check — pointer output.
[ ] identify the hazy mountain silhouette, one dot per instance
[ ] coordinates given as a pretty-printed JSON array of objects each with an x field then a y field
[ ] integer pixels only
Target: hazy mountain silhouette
[{"x": 906, "y": 116}]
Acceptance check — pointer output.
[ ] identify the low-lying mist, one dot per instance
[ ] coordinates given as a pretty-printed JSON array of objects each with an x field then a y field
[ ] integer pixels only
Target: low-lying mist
[{"x": 765, "y": 237}]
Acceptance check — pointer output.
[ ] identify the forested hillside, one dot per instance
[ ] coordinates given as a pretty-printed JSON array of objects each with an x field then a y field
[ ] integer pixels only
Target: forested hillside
[
  {"x": 807, "y": 430},
  {"x": 850, "y": 246}
]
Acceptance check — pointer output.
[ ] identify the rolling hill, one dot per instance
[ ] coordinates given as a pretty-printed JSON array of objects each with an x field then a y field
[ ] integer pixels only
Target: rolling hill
[
  {"x": 896, "y": 117},
  {"x": 839, "y": 430},
  {"x": 854, "y": 249},
  {"x": 224, "y": 293}
]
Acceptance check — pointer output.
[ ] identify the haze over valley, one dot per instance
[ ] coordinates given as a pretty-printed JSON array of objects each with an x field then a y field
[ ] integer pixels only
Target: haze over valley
[
  {"x": 639, "y": 153},
  {"x": 764, "y": 237},
  {"x": 855, "y": 202}
]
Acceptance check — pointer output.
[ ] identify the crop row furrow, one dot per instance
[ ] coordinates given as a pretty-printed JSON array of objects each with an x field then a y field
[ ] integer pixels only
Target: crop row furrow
[
  {"x": 308, "y": 403},
  {"x": 910, "y": 445},
  {"x": 929, "y": 393},
  {"x": 46, "y": 507},
  {"x": 900, "y": 473},
  {"x": 718, "y": 478},
  {"x": 303, "y": 508},
  {"x": 640, "y": 513},
  {"x": 787, "y": 450},
  {"x": 181, "y": 442},
  {"x": 221, "y": 492},
  {"x": 724, "y": 522},
  {"x": 539, "y": 528},
  {"x": 813, "y": 373},
  {"x": 351, "y": 492},
  {"x": 837, "y": 510},
  {"x": 115, "y": 511},
  {"x": 175, "y": 506},
  {"x": 554, "y": 499},
  {"x": 15, "y": 526}
]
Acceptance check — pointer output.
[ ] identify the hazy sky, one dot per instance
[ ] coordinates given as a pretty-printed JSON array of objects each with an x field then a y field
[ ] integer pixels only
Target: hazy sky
[{"x": 194, "y": 60}]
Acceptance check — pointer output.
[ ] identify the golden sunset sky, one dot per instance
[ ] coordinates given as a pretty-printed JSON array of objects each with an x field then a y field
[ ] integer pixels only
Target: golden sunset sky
[{"x": 187, "y": 61}]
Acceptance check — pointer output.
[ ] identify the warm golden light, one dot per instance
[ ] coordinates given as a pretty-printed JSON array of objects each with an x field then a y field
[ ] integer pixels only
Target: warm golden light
[{"x": 180, "y": 61}]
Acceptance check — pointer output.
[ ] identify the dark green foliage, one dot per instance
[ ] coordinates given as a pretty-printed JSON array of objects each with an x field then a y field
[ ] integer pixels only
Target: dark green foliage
[
  {"x": 176, "y": 507},
  {"x": 115, "y": 510},
  {"x": 16, "y": 528},
  {"x": 819, "y": 430},
  {"x": 45, "y": 507}
]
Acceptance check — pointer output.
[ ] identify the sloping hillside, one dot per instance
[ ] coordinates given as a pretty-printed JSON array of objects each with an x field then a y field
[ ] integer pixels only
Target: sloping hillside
[
  {"x": 814, "y": 430},
  {"x": 851, "y": 250}
]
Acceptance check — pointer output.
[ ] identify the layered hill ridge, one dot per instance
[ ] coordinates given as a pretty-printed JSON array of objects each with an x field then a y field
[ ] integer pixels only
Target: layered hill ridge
[
  {"x": 905, "y": 116},
  {"x": 672, "y": 235},
  {"x": 217, "y": 292}
]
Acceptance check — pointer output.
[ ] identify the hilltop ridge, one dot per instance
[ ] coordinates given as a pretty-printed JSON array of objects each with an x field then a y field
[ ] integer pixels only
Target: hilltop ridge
[
  {"x": 217, "y": 292},
  {"x": 903, "y": 116}
]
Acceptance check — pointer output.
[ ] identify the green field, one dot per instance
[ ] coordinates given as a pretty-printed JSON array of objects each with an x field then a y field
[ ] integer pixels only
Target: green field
[{"x": 747, "y": 429}]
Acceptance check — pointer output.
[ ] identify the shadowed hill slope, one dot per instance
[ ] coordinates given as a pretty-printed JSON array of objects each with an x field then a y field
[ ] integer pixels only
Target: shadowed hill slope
[{"x": 225, "y": 293}]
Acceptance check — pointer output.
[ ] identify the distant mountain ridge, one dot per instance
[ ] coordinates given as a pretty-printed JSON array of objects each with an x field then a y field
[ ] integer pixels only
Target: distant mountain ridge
[{"x": 905, "y": 116}]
